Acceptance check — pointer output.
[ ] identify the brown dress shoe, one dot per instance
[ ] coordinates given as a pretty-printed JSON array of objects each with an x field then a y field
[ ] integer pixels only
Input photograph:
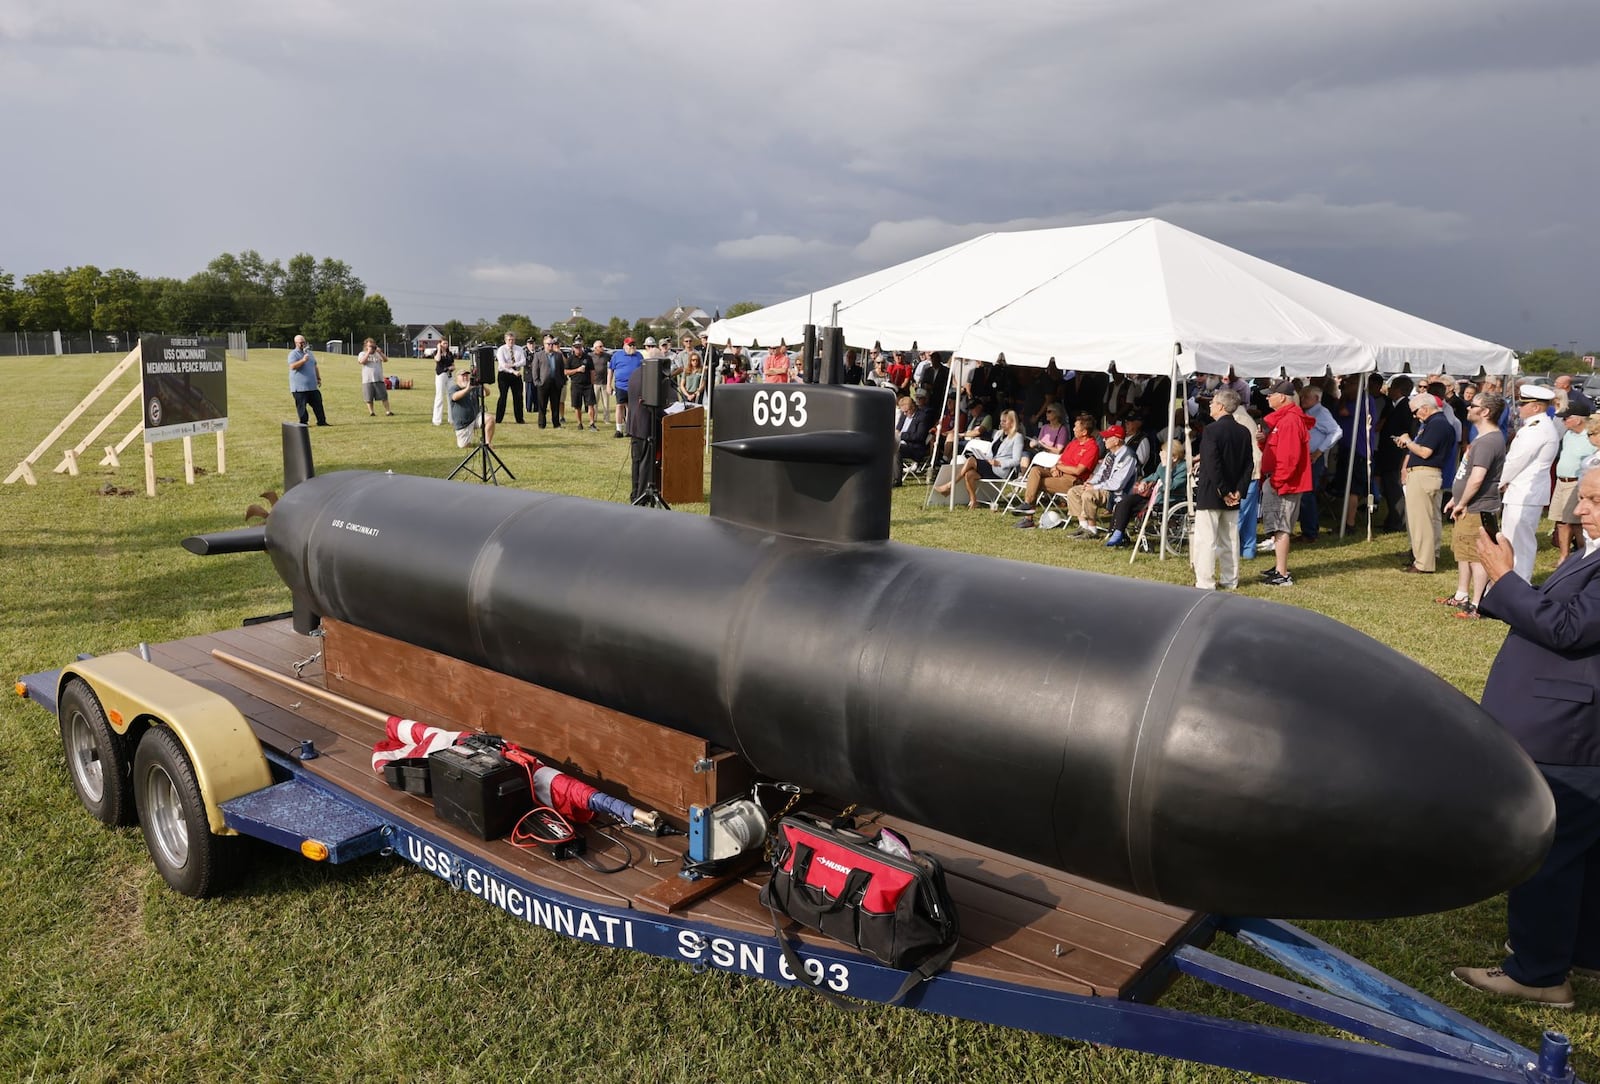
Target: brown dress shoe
[{"x": 1492, "y": 980}]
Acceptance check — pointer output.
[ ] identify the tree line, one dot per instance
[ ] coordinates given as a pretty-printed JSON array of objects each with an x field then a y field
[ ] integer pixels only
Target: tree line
[
  {"x": 269, "y": 301},
  {"x": 266, "y": 299}
]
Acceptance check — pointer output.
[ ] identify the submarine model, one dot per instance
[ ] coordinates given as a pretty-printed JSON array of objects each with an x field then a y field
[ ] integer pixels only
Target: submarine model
[{"x": 1204, "y": 749}]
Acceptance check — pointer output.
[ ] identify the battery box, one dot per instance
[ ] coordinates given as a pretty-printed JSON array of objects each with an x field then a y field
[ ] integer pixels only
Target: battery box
[{"x": 478, "y": 789}]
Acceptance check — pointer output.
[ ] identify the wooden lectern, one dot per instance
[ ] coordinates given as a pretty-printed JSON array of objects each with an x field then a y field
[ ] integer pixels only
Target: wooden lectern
[{"x": 683, "y": 456}]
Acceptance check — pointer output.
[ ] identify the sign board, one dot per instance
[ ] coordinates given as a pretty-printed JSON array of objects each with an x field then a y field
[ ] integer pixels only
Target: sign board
[{"x": 185, "y": 386}]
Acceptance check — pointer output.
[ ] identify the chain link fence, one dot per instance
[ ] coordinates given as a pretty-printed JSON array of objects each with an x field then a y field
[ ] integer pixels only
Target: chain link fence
[{"x": 15, "y": 344}]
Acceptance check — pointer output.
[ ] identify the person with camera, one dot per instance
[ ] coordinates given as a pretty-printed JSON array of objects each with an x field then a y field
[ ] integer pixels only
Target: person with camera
[
  {"x": 466, "y": 410},
  {"x": 1542, "y": 688},
  {"x": 443, "y": 380},
  {"x": 1475, "y": 502},
  {"x": 305, "y": 383},
  {"x": 373, "y": 388}
]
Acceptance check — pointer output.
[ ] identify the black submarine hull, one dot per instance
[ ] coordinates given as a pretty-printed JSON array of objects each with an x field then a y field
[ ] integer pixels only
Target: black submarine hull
[{"x": 1208, "y": 750}]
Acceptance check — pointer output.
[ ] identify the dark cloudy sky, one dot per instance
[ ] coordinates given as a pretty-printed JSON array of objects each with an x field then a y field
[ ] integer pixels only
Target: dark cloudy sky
[{"x": 475, "y": 157}]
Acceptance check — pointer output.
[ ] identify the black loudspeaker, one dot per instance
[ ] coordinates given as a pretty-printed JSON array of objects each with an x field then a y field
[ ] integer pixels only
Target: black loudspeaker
[
  {"x": 653, "y": 392},
  {"x": 830, "y": 369},
  {"x": 808, "y": 354},
  {"x": 483, "y": 359}
]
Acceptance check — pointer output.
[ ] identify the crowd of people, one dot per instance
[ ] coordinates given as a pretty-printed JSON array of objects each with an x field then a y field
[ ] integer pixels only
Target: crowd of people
[{"x": 1420, "y": 453}]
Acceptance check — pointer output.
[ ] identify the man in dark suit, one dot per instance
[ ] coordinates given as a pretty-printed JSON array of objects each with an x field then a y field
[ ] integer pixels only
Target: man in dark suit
[
  {"x": 549, "y": 369},
  {"x": 1226, "y": 464},
  {"x": 1543, "y": 688}
]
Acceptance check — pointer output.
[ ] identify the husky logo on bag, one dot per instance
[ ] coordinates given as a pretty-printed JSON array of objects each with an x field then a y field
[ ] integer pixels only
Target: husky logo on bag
[{"x": 895, "y": 909}]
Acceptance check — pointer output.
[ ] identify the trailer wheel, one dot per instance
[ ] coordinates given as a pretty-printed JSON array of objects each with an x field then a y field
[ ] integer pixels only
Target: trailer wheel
[
  {"x": 172, "y": 815},
  {"x": 97, "y": 756}
]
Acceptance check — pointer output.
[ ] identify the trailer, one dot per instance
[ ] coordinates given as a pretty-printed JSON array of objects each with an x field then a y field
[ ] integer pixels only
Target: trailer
[{"x": 267, "y": 733}]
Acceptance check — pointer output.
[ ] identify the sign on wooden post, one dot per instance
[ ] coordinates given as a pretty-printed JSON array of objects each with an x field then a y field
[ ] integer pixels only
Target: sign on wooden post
[{"x": 184, "y": 381}]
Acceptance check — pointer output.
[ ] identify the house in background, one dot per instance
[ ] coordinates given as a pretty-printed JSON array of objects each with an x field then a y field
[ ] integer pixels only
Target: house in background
[
  {"x": 682, "y": 318},
  {"x": 424, "y": 339}
]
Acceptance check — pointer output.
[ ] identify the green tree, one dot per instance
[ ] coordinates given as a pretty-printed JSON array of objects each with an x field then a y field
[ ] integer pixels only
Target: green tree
[
  {"x": 155, "y": 300},
  {"x": 1547, "y": 359},
  {"x": 739, "y": 308},
  {"x": 519, "y": 325},
  {"x": 297, "y": 297},
  {"x": 8, "y": 302},
  {"x": 340, "y": 304},
  {"x": 81, "y": 287},
  {"x": 377, "y": 320},
  {"x": 42, "y": 302},
  {"x": 121, "y": 301},
  {"x": 617, "y": 329},
  {"x": 583, "y": 329},
  {"x": 454, "y": 332},
  {"x": 252, "y": 284}
]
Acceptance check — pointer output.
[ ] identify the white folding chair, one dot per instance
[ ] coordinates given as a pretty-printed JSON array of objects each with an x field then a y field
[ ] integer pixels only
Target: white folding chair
[{"x": 1015, "y": 489}]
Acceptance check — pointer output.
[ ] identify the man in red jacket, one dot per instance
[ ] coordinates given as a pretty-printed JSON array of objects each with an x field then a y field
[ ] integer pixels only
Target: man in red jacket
[{"x": 1285, "y": 474}]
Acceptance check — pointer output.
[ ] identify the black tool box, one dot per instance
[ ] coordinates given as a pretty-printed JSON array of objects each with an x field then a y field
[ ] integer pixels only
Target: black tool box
[{"x": 478, "y": 789}]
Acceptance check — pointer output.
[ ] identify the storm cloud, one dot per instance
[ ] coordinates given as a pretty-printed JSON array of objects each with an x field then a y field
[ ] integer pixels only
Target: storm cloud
[{"x": 481, "y": 157}]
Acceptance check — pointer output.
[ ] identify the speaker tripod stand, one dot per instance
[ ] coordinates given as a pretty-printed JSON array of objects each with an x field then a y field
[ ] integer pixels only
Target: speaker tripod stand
[
  {"x": 483, "y": 462},
  {"x": 650, "y": 496}
]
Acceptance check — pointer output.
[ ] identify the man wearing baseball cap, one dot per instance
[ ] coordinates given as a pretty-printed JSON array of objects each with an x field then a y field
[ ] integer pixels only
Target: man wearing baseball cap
[
  {"x": 1107, "y": 483},
  {"x": 1525, "y": 479},
  {"x": 1285, "y": 474},
  {"x": 624, "y": 363}
]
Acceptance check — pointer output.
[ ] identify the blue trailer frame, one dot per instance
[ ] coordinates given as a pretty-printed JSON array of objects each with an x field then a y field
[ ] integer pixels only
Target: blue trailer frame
[{"x": 1408, "y": 1036}]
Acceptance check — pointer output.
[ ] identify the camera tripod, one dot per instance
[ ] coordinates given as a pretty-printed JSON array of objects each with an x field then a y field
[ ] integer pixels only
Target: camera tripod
[{"x": 483, "y": 462}]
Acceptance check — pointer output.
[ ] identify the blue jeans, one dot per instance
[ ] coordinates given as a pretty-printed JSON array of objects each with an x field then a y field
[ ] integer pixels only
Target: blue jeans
[
  {"x": 1249, "y": 512},
  {"x": 1309, "y": 514}
]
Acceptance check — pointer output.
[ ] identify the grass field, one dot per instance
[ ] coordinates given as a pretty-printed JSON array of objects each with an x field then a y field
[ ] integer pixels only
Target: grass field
[{"x": 378, "y": 971}]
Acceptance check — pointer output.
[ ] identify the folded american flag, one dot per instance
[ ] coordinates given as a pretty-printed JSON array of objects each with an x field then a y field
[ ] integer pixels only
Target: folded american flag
[{"x": 406, "y": 738}]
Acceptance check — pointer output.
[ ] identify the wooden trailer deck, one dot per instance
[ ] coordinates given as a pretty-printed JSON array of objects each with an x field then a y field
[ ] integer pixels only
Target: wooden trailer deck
[{"x": 1021, "y": 922}]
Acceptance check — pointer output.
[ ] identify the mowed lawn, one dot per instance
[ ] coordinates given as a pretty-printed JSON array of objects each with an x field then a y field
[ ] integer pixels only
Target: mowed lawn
[{"x": 378, "y": 971}]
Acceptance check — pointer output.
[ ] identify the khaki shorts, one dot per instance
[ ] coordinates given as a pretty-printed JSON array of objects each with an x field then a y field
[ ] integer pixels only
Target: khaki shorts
[
  {"x": 1278, "y": 510},
  {"x": 468, "y": 434},
  {"x": 1464, "y": 534},
  {"x": 1564, "y": 503}
]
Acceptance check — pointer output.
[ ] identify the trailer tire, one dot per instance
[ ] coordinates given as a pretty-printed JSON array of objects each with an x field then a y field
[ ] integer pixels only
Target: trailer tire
[
  {"x": 97, "y": 756},
  {"x": 172, "y": 815}
]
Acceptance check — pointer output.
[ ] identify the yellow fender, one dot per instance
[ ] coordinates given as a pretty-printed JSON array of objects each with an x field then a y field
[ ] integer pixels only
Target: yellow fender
[{"x": 224, "y": 751}]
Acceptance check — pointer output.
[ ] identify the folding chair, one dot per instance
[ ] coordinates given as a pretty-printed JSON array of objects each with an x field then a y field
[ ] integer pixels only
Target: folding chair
[
  {"x": 992, "y": 487},
  {"x": 1015, "y": 488}
]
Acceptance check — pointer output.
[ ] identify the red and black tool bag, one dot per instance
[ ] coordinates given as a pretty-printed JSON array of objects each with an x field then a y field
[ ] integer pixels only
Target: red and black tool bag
[{"x": 837, "y": 881}]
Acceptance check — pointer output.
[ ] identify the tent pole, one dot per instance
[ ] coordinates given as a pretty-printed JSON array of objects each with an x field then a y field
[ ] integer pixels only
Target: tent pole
[
  {"x": 1350, "y": 471},
  {"x": 1172, "y": 420},
  {"x": 1372, "y": 439},
  {"x": 955, "y": 436}
]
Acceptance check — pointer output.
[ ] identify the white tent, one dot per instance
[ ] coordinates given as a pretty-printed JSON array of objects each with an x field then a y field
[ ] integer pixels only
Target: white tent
[{"x": 1145, "y": 295}]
